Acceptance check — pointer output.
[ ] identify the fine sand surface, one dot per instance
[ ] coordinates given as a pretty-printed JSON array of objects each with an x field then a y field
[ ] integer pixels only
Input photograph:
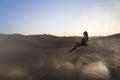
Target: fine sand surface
[{"x": 46, "y": 57}]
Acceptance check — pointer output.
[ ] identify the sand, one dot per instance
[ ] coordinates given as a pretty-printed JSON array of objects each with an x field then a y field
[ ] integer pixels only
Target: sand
[{"x": 46, "y": 57}]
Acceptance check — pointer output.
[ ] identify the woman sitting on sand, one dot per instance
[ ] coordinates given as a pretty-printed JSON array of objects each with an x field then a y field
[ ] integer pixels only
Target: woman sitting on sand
[{"x": 82, "y": 43}]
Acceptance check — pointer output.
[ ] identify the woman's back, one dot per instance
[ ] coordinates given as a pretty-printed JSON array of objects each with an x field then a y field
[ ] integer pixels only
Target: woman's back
[{"x": 84, "y": 39}]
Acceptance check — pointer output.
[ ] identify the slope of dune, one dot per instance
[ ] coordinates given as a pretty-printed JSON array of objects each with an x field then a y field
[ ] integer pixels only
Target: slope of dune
[{"x": 46, "y": 57}]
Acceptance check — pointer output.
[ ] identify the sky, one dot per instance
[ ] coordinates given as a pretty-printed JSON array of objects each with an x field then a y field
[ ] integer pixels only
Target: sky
[{"x": 60, "y": 17}]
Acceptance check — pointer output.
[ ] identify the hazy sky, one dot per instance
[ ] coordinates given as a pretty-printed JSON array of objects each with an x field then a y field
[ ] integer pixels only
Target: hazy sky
[{"x": 60, "y": 17}]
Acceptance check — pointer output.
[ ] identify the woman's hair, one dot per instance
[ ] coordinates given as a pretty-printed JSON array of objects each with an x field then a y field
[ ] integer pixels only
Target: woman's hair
[{"x": 85, "y": 33}]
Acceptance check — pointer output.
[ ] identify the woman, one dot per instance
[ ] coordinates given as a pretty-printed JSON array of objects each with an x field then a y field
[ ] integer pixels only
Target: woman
[{"x": 82, "y": 43}]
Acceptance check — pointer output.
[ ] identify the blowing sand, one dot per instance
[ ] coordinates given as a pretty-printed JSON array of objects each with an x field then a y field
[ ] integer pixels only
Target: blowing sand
[{"x": 46, "y": 57}]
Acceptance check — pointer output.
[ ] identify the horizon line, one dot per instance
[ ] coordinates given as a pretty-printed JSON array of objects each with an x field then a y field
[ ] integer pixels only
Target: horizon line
[{"x": 56, "y": 35}]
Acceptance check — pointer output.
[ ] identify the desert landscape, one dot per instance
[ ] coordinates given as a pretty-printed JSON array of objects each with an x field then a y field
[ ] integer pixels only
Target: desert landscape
[
  {"x": 59, "y": 39},
  {"x": 46, "y": 57}
]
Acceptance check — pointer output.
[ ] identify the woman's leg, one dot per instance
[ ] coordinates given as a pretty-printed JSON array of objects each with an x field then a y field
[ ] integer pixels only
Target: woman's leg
[{"x": 77, "y": 45}]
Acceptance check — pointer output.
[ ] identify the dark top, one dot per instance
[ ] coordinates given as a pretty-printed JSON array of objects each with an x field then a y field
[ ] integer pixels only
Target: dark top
[{"x": 84, "y": 42}]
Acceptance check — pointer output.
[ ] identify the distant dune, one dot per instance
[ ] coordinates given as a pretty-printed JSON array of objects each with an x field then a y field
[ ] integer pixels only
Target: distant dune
[{"x": 46, "y": 57}]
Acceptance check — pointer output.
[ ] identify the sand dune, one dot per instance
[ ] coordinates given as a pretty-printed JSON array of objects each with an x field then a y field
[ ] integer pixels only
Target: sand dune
[{"x": 46, "y": 57}]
